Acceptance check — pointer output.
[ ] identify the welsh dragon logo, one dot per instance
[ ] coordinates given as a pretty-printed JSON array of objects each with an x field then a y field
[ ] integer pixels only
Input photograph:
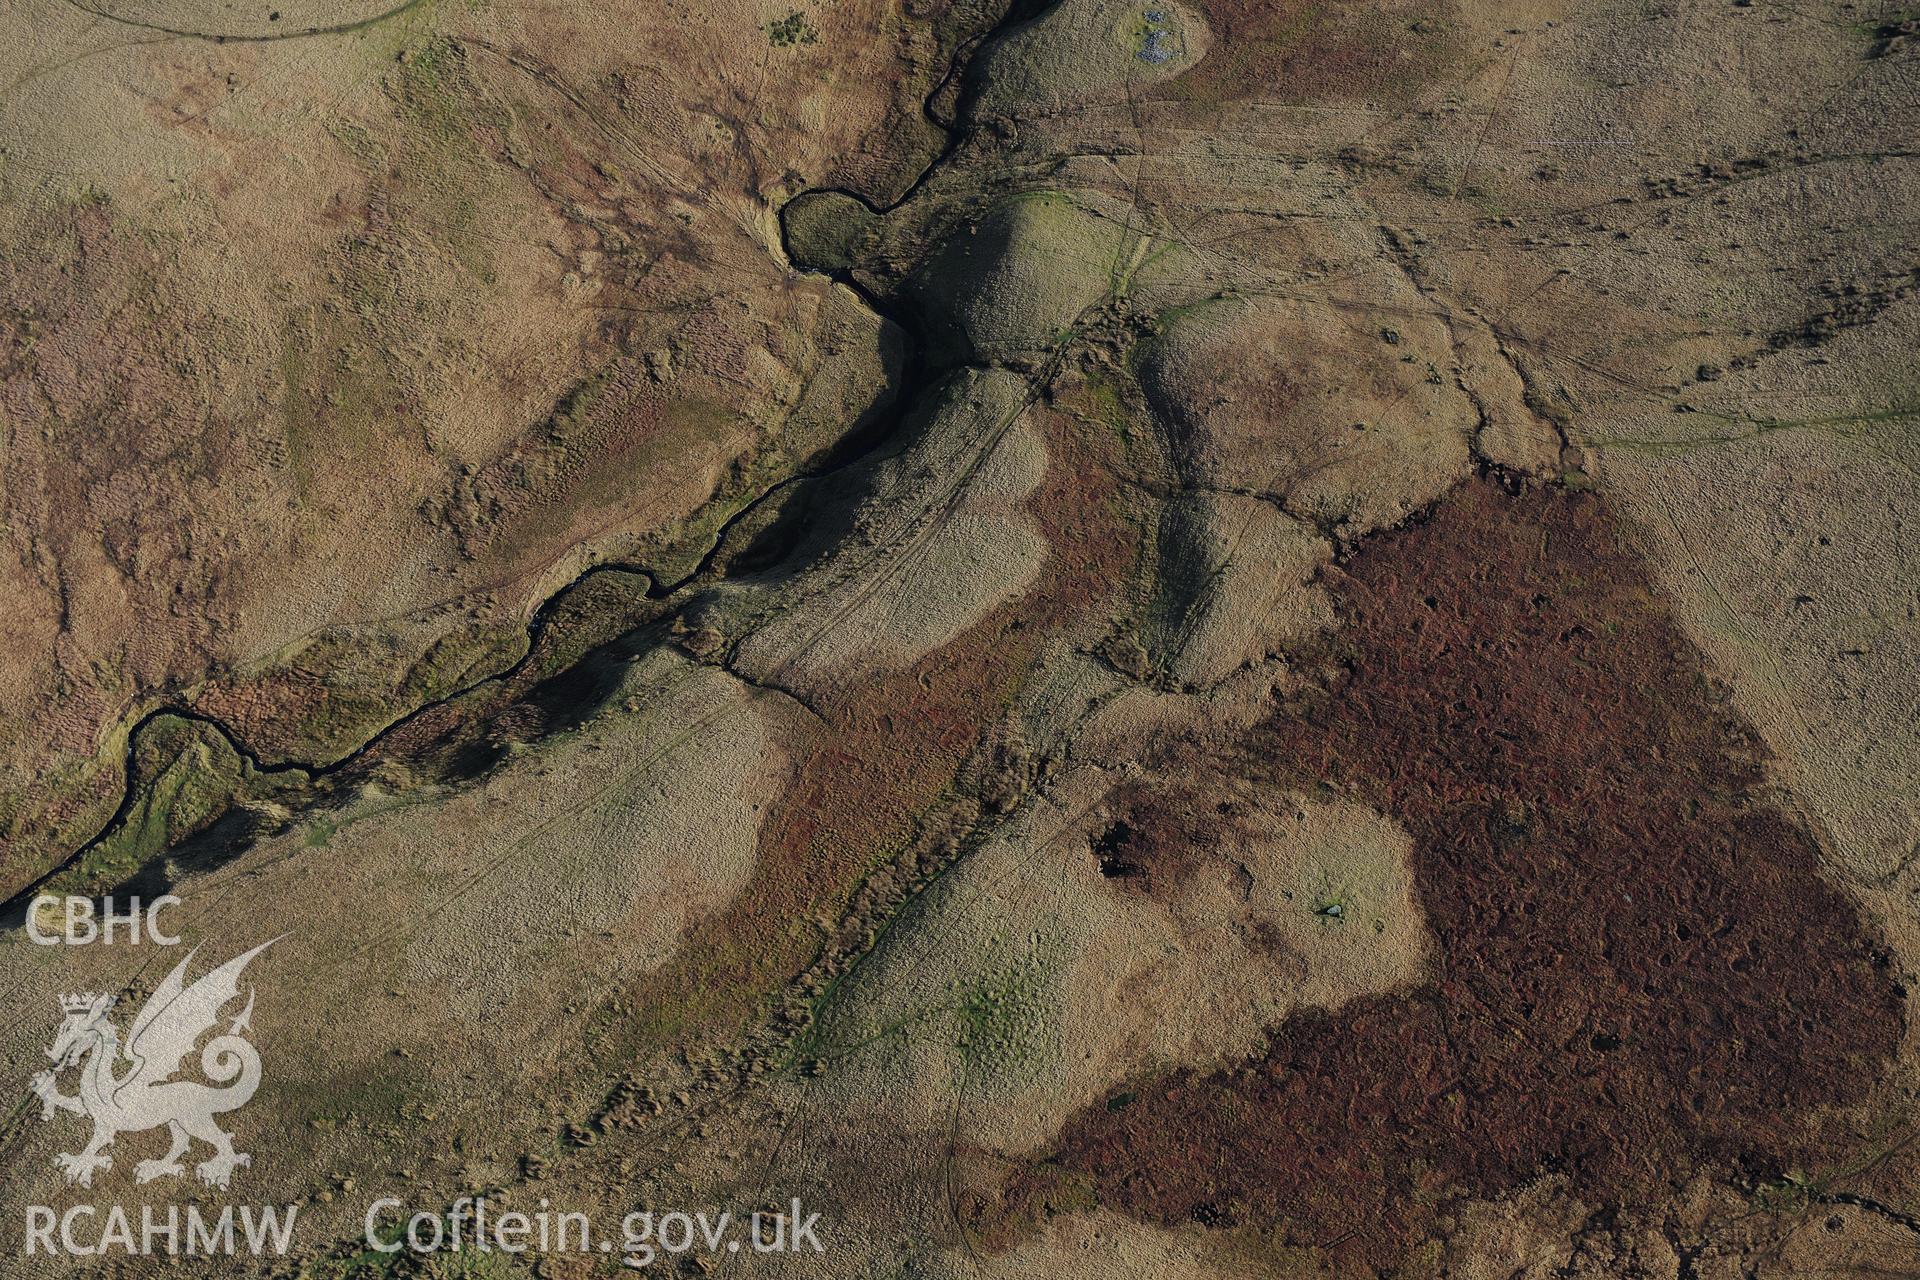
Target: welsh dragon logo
[{"x": 131, "y": 1089}]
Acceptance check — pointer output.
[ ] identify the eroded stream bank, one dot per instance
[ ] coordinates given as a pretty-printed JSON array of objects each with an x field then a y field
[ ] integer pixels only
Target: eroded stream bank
[{"x": 196, "y": 794}]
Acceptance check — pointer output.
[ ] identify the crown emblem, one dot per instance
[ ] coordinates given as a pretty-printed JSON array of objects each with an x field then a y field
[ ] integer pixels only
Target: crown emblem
[{"x": 172, "y": 1021}]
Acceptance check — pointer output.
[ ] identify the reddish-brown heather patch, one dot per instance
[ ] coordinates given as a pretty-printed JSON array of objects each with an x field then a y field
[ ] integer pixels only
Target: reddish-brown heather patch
[
  {"x": 892, "y": 745},
  {"x": 1302, "y": 51},
  {"x": 1640, "y": 971},
  {"x": 266, "y": 712}
]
